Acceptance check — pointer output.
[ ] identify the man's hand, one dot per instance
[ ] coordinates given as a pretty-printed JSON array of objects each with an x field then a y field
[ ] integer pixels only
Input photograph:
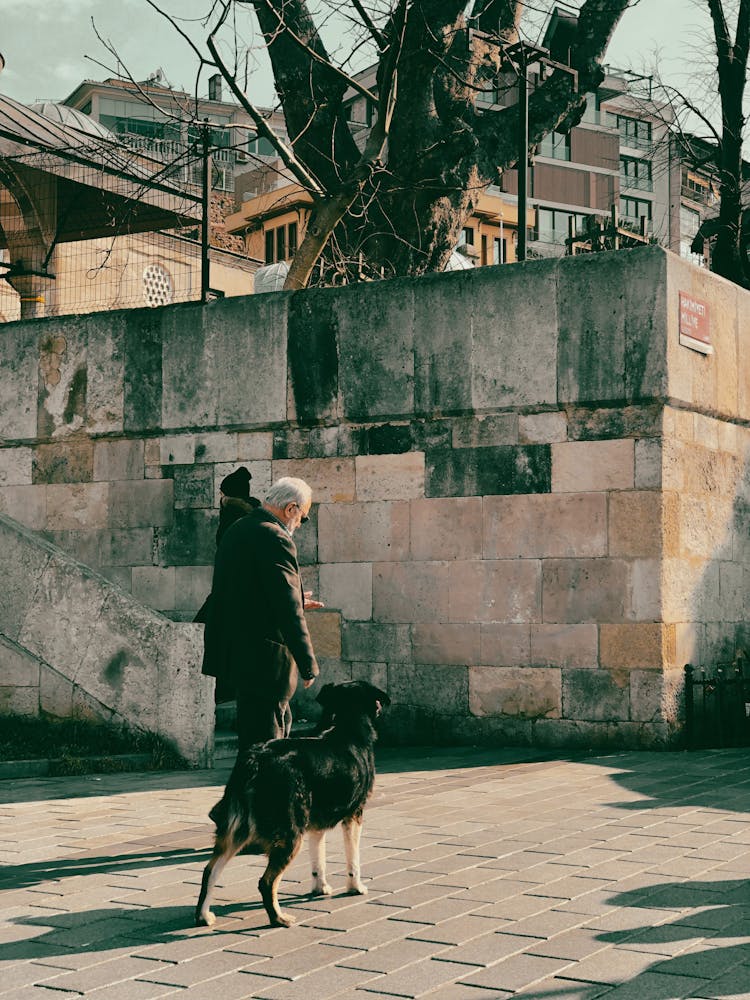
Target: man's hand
[
  {"x": 310, "y": 604},
  {"x": 308, "y": 683}
]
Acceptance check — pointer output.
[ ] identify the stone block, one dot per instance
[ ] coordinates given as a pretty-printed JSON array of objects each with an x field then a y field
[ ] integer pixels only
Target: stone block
[
  {"x": 260, "y": 478},
  {"x": 613, "y": 422},
  {"x": 438, "y": 643},
  {"x": 332, "y": 479},
  {"x": 390, "y": 477},
  {"x": 55, "y": 693},
  {"x": 177, "y": 450},
  {"x": 586, "y": 590},
  {"x": 192, "y": 585},
  {"x": 449, "y": 528},
  {"x": 648, "y": 457},
  {"x": 363, "y": 532},
  {"x": 152, "y": 451},
  {"x": 137, "y": 504},
  {"x": 121, "y": 576},
  {"x": 612, "y": 346},
  {"x": 324, "y": 442},
  {"x": 375, "y": 641},
  {"x": 313, "y": 356},
  {"x": 154, "y": 586},
  {"x": 411, "y": 592},
  {"x": 76, "y": 506},
  {"x": 85, "y": 546},
  {"x": 291, "y": 443},
  {"x": 596, "y": 695},
  {"x": 589, "y": 466},
  {"x": 564, "y": 646},
  {"x": 142, "y": 366},
  {"x": 374, "y": 673},
  {"x": 25, "y": 563},
  {"x": 643, "y": 524},
  {"x": 443, "y": 343},
  {"x": 387, "y": 439},
  {"x": 434, "y": 689},
  {"x": 503, "y": 590},
  {"x": 486, "y": 430},
  {"x": 17, "y": 667},
  {"x": 193, "y": 486},
  {"x": 185, "y": 697},
  {"x": 656, "y": 697},
  {"x": 514, "y": 336},
  {"x": 216, "y": 446},
  {"x": 63, "y": 366},
  {"x": 488, "y": 471},
  {"x": 63, "y": 462},
  {"x": 19, "y": 701},
  {"x": 126, "y": 547},
  {"x": 731, "y": 591},
  {"x": 105, "y": 375},
  {"x": 325, "y": 632},
  {"x": 521, "y": 692},
  {"x": 19, "y": 380},
  {"x": 189, "y": 541},
  {"x": 504, "y": 646},
  {"x": 645, "y": 585},
  {"x": 542, "y": 428},
  {"x": 118, "y": 460},
  {"x": 254, "y": 446},
  {"x": 347, "y": 587},
  {"x": 306, "y": 539},
  {"x": 701, "y": 536},
  {"x": 15, "y": 466},
  {"x": 25, "y": 504},
  {"x": 642, "y": 646},
  {"x": 547, "y": 525}
]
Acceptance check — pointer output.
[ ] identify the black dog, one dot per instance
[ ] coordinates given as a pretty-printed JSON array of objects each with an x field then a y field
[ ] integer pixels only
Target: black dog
[{"x": 282, "y": 789}]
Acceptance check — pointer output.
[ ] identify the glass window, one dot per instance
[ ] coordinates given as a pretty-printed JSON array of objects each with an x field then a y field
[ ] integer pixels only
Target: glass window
[
  {"x": 556, "y": 146},
  {"x": 635, "y": 208},
  {"x": 499, "y": 254},
  {"x": 281, "y": 243},
  {"x": 467, "y": 237},
  {"x": 292, "y": 238},
  {"x": 269, "y": 246}
]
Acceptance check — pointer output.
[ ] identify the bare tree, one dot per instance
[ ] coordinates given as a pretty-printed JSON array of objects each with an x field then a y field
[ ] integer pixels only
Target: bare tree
[{"x": 396, "y": 203}]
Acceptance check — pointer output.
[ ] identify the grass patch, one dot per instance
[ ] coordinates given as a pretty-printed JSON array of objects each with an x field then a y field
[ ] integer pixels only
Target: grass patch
[{"x": 71, "y": 743}]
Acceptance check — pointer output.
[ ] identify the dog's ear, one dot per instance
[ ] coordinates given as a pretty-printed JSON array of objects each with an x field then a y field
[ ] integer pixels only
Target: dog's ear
[
  {"x": 381, "y": 696},
  {"x": 326, "y": 696}
]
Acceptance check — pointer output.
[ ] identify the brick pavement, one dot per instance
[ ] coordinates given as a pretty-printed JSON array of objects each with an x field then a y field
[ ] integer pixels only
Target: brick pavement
[{"x": 492, "y": 874}]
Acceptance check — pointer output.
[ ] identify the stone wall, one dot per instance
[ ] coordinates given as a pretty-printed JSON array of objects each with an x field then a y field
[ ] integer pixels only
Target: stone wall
[{"x": 527, "y": 490}]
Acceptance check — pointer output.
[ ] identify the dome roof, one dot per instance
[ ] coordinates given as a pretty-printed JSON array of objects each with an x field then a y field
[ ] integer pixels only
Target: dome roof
[{"x": 72, "y": 118}]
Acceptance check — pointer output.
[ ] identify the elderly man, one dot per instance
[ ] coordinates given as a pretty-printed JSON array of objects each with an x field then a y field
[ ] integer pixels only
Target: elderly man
[{"x": 256, "y": 635}]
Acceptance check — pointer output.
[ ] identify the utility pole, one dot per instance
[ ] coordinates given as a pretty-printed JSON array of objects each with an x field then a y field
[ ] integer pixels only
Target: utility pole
[{"x": 206, "y": 202}]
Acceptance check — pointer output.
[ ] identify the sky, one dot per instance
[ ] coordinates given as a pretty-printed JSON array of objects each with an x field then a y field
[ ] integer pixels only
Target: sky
[{"x": 46, "y": 44}]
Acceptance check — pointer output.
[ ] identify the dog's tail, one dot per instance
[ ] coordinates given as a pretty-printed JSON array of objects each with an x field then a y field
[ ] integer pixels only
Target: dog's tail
[{"x": 232, "y": 813}]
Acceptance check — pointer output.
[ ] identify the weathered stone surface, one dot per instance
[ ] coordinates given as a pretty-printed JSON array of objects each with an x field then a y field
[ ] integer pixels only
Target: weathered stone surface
[
  {"x": 389, "y": 477},
  {"x": 105, "y": 389},
  {"x": 596, "y": 695},
  {"x": 217, "y": 446},
  {"x": 190, "y": 540},
  {"x": 488, "y": 471},
  {"x": 126, "y": 547},
  {"x": 24, "y": 565},
  {"x": 15, "y": 466},
  {"x": 55, "y": 693},
  {"x": 486, "y": 430},
  {"x": 347, "y": 587},
  {"x": 192, "y": 585},
  {"x": 443, "y": 348},
  {"x": 178, "y": 449},
  {"x": 564, "y": 646},
  {"x": 19, "y": 700},
  {"x": 331, "y": 479},
  {"x": 411, "y": 592},
  {"x": 439, "y": 643},
  {"x": 154, "y": 586},
  {"x": 19, "y": 667},
  {"x": 514, "y": 349},
  {"x": 656, "y": 697},
  {"x": 254, "y": 446},
  {"x": 260, "y": 482},
  {"x": 376, "y": 371},
  {"x": 138, "y": 504},
  {"x": 313, "y": 356},
  {"x": 614, "y": 422},
  {"x": 449, "y": 528},
  {"x": 325, "y": 632},
  {"x": 291, "y": 443},
  {"x": 612, "y": 344},
  {"x": 85, "y": 546},
  {"x": 524, "y": 693},
  {"x": 19, "y": 380},
  {"x": 586, "y": 590},
  {"x": 648, "y": 474},
  {"x": 643, "y": 524},
  {"x": 363, "y": 532},
  {"x": 63, "y": 462},
  {"x": 505, "y": 646},
  {"x": 26, "y": 504},
  {"x": 377, "y": 642},
  {"x": 118, "y": 460},
  {"x": 642, "y": 646},
  {"x": 586, "y": 466},
  {"x": 193, "y": 486},
  {"x": 142, "y": 365},
  {"x": 542, "y": 428},
  {"x": 79, "y": 506},
  {"x": 387, "y": 439},
  {"x": 440, "y": 690},
  {"x": 544, "y": 526},
  {"x": 503, "y": 590}
]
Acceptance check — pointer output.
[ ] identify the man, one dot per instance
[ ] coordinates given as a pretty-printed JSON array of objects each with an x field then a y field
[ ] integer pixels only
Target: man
[{"x": 256, "y": 636}]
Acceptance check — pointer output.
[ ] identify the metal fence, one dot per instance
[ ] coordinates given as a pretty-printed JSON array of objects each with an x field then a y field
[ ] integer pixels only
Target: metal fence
[{"x": 717, "y": 705}]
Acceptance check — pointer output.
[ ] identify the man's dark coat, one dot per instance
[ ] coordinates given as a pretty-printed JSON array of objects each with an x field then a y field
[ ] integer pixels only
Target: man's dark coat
[{"x": 256, "y": 621}]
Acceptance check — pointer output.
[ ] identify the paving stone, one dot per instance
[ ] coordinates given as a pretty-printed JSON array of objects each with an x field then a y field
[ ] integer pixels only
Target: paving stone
[
  {"x": 418, "y": 979},
  {"x": 515, "y": 972},
  {"x": 393, "y": 956}
]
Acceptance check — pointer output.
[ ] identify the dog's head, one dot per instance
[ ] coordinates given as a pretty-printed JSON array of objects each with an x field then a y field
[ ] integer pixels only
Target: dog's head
[{"x": 351, "y": 698}]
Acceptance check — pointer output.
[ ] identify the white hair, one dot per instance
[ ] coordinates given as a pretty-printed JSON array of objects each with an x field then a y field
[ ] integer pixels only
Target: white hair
[{"x": 289, "y": 490}]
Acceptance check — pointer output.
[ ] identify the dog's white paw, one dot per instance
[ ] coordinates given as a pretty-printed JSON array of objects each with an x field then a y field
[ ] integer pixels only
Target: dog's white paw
[
  {"x": 356, "y": 889},
  {"x": 282, "y": 919},
  {"x": 321, "y": 889},
  {"x": 207, "y": 919}
]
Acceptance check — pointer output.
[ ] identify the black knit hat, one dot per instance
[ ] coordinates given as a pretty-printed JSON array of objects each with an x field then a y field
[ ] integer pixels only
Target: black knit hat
[{"x": 237, "y": 484}]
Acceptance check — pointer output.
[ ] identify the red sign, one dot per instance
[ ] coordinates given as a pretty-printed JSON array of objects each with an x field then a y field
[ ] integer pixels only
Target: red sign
[{"x": 695, "y": 326}]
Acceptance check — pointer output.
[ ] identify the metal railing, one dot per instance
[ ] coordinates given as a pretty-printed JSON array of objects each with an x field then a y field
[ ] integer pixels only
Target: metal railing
[
  {"x": 717, "y": 705},
  {"x": 630, "y": 183}
]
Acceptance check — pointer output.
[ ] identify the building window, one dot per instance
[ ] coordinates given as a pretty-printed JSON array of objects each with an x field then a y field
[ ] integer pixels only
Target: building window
[
  {"x": 270, "y": 246},
  {"x": 635, "y": 173},
  {"x": 635, "y": 209},
  {"x": 466, "y": 239},
  {"x": 499, "y": 251},
  {"x": 158, "y": 289},
  {"x": 555, "y": 146},
  {"x": 634, "y": 132},
  {"x": 552, "y": 225},
  {"x": 292, "y": 238},
  {"x": 281, "y": 243}
]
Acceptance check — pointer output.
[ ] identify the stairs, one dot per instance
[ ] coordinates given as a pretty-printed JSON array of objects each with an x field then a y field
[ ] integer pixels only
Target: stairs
[{"x": 225, "y": 736}]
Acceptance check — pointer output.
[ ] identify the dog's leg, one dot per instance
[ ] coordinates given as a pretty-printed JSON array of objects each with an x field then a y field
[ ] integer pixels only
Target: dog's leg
[
  {"x": 351, "y": 829},
  {"x": 224, "y": 851},
  {"x": 317, "y": 845},
  {"x": 279, "y": 859}
]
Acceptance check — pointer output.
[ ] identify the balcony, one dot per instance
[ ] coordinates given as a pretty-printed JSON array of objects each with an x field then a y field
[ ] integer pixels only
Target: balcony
[
  {"x": 628, "y": 183},
  {"x": 698, "y": 193}
]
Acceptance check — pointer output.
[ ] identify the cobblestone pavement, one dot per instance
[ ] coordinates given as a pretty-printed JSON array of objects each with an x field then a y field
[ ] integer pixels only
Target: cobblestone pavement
[{"x": 491, "y": 874}]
